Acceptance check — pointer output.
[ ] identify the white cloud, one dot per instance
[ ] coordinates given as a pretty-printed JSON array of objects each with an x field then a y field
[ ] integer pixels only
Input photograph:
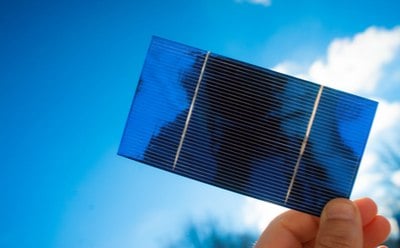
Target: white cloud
[
  {"x": 259, "y": 2},
  {"x": 357, "y": 64},
  {"x": 354, "y": 64},
  {"x": 386, "y": 119},
  {"x": 259, "y": 213},
  {"x": 396, "y": 178}
]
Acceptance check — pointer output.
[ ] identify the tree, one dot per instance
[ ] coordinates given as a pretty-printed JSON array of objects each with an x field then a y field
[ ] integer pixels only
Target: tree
[
  {"x": 391, "y": 172},
  {"x": 210, "y": 234}
]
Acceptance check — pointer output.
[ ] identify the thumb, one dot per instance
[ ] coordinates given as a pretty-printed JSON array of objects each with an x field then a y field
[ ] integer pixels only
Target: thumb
[{"x": 340, "y": 225}]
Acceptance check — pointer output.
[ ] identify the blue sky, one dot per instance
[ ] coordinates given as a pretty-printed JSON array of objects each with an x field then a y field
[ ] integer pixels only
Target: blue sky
[{"x": 68, "y": 74}]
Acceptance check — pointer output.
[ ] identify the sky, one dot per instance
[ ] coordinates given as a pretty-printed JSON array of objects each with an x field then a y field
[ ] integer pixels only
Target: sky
[{"x": 68, "y": 75}]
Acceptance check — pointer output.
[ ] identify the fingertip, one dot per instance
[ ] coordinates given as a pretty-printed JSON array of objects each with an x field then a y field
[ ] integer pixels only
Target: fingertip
[
  {"x": 341, "y": 209},
  {"x": 366, "y": 202},
  {"x": 368, "y": 209},
  {"x": 377, "y": 231},
  {"x": 340, "y": 225}
]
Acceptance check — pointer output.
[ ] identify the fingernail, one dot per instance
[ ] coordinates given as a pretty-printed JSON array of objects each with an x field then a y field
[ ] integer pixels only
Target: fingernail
[{"x": 340, "y": 210}]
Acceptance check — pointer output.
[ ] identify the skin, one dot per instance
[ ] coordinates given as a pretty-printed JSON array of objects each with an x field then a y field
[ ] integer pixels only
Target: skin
[{"x": 343, "y": 223}]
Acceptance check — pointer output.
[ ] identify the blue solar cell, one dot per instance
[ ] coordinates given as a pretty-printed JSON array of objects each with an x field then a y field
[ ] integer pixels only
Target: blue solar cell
[
  {"x": 162, "y": 99},
  {"x": 245, "y": 128}
]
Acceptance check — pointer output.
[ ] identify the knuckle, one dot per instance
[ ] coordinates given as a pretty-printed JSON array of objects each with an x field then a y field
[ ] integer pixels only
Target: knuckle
[{"x": 334, "y": 242}]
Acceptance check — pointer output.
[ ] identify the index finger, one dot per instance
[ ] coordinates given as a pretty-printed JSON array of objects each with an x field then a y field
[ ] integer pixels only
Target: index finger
[{"x": 368, "y": 209}]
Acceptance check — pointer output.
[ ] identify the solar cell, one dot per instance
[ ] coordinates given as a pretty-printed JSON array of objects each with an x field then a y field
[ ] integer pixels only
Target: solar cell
[{"x": 245, "y": 128}]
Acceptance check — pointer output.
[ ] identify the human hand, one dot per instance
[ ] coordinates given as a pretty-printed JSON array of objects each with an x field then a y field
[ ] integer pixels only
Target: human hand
[{"x": 343, "y": 223}]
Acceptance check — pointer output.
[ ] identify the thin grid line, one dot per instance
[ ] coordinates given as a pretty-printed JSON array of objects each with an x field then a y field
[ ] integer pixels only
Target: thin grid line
[
  {"x": 190, "y": 111},
  {"x": 303, "y": 145}
]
